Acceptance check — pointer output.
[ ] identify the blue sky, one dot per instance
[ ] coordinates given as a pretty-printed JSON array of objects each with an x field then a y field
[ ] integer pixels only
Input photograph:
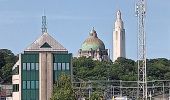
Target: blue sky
[{"x": 70, "y": 21}]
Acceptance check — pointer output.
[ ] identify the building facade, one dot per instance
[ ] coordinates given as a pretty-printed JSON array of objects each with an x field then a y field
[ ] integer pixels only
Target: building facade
[
  {"x": 94, "y": 47},
  {"x": 119, "y": 38},
  {"x": 39, "y": 67}
]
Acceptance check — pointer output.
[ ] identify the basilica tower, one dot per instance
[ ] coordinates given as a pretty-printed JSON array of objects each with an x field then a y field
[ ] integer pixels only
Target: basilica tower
[{"x": 119, "y": 38}]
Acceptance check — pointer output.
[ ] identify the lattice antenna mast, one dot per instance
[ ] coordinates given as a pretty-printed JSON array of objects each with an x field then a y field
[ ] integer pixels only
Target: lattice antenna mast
[
  {"x": 141, "y": 52},
  {"x": 44, "y": 24}
]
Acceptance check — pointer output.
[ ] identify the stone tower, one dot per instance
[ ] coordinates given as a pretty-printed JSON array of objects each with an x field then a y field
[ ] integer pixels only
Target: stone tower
[{"x": 119, "y": 38}]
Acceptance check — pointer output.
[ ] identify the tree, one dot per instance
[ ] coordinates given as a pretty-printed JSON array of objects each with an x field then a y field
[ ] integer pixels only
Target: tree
[
  {"x": 88, "y": 69},
  {"x": 122, "y": 69},
  {"x": 158, "y": 69},
  {"x": 96, "y": 96},
  {"x": 63, "y": 89},
  {"x": 7, "y": 61}
]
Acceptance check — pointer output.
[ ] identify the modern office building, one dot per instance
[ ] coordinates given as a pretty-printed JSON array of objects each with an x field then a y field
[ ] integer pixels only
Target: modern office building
[
  {"x": 94, "y": 47},
  {"x": 39, "y": 66}
]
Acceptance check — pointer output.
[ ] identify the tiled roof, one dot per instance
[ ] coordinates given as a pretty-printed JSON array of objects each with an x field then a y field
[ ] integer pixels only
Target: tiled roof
[{"x": 44, "y": 39}]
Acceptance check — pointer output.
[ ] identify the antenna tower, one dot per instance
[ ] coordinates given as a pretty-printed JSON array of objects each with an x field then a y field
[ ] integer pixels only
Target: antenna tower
[
  {"x": 44, "y": 24},
  {"x": 141, "y": 50}
]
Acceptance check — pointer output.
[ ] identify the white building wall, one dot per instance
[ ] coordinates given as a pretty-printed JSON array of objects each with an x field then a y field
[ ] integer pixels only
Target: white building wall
[
  {"x": 9, "y": 98},
  {"x": 43, "y": 76},
  {"x": 20, "y": 76},
  {"x": 119, "y": 38},
  {"x": 16, "y": 79}
]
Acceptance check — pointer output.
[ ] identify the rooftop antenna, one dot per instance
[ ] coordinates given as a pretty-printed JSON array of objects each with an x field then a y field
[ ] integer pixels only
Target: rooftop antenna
[{"x": 44, "y": 23}]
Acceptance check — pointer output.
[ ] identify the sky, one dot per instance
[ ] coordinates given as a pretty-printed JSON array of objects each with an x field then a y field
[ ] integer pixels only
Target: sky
[{"x": 70, "y": 21}]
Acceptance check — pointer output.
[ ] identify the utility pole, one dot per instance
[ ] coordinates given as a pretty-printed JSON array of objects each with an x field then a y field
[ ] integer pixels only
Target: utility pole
[{"x": 141, "y": 52}]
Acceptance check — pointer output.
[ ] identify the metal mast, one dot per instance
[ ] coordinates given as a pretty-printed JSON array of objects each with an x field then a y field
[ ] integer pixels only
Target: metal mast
[
  {"x": 44, "y": 24},
  {"x": 141, "y": 52}
]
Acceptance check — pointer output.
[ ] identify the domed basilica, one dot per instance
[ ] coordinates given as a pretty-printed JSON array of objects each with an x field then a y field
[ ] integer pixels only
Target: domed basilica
[{"x": 94, "y": 47}]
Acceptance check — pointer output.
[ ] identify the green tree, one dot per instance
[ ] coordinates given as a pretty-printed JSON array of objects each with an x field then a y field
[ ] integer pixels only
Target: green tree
[
  {"x": 7, "y": 61},
  {"x": 63, "y": 89},
  {"x": 122, "y": 69},
  {"x": 96, "y": 96},
  {"x": 158, "y": 69}
]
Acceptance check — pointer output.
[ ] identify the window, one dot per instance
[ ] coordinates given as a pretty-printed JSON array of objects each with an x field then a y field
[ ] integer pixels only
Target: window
[
  {"x": 32, "y": 84},
  {"x": 28, "y": 84},
  {"x": 15, "y": 87},
  {"x": 36, "y": 66},
  {"x": 55, "y": 66},
  {"x": 24, "y": 85},
  {"x": 24, "y": 66},
  {"x": 116, "y": 35},
  {"x": 32, "y": 66},
  {"x": 67, "y": 66},
  {"x": 59, "y": 66},
  {"x": 28, "y": 66},
  {"x": 37, "y": 85},
  {"x": 63, "y": 66},
  {"x": 16, "y": 70}
]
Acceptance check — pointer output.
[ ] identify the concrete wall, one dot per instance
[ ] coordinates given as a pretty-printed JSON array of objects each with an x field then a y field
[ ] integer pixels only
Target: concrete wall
[
  {"x": 45, "y": 75},
  {"x": 16, "y": 79}
]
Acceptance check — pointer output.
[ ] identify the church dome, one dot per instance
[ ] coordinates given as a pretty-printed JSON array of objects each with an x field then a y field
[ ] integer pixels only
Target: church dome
[{"x": 93, "y": 42}]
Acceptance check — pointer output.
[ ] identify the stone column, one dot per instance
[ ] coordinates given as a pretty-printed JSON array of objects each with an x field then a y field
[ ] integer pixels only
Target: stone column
[
  {"x": 43, "y": 76},
  {"x": 49, "y": 75}
]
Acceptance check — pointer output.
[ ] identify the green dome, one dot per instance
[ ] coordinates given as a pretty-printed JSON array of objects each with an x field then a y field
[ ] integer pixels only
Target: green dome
[{"x": 92, "y": 42}]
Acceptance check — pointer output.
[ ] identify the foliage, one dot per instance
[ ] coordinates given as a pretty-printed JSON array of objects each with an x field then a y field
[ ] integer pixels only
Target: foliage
[
  {"x": 96, "y": 96},
  {"x": 121, "y": 69},
  {"x": 85, "y": 69},
  {"x": 63, "y": 89},
  {"x": 158, "y": 69},
  {"x": 7, "y": 60}
]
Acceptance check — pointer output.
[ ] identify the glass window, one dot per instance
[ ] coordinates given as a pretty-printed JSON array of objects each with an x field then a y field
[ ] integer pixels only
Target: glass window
[
  {"x": 24, "y": 66},
  {"x": 59, "y": 66},
  {"x": 55, "y": 66},
  {"x": 37, "y": 84},
  {"x": 32, "y": 66},
  {"x": 15, "y": 87},
  {"x": 67, "y": 66},
  {"x": 37, "y": 66},
  {"x": 17, "y": 69},
  {"x": 28, "y": 66},
  {"x": 24, "y": 84},
  {"x": 63, "y": 66},
  {"x": 32, "y": 84},
  {"x": 28, "y": 84}
]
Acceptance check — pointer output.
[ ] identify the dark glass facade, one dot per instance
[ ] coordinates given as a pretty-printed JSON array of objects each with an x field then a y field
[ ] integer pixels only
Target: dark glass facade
[
  {"x": 61, "y": 64},
  {"x": 30, "y": 72},
  {"x": 30, "y": 77}
]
